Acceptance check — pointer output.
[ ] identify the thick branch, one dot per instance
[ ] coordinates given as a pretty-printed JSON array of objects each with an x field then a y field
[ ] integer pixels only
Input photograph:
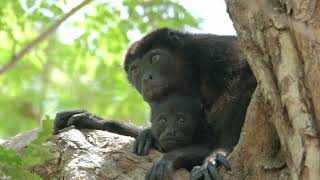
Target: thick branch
[{"x": 17, "y": 56}]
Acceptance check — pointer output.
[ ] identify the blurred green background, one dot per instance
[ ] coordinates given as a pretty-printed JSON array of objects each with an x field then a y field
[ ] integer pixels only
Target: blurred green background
[{"x": 79, "y": 66}]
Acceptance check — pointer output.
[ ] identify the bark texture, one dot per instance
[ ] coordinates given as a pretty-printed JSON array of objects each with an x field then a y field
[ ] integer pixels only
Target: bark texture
[
  {"x": 91, "y": 154},
  {"x": 280, "y": 138}
]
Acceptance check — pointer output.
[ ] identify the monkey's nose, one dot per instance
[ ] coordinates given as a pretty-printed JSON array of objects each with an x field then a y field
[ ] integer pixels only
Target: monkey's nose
[
  {"x": 172, "y": 133},
  {"x": 147, "y": 77}
]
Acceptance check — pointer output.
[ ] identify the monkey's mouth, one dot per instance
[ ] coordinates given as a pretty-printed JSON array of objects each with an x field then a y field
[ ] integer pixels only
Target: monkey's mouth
[
  {"x": 153, "y": 92},
  {"x": 171, "y": 144}
]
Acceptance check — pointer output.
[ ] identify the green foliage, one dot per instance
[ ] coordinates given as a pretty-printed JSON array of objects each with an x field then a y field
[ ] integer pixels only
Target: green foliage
[
  {"x": 80, "y": 65},
  {"x": 37, "y": 152},
  {"x": 17, "y": 166}
]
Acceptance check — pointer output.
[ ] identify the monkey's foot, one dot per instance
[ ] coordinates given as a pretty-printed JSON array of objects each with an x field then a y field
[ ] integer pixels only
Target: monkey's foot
[
  {"x": 160, "y": 170},
  {"x": 209, "y": 169}
]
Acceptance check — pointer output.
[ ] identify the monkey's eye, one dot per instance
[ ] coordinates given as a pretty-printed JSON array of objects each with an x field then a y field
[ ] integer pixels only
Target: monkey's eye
[
  {"x": 155, "y": 58},
  {"x": 134, "y": 70},
  {"x": 181, "y": 119},
  {"x": 162, "y": 120}
]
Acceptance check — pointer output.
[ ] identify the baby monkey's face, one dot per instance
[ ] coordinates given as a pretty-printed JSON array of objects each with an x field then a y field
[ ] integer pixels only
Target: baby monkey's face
[{"x": 175, "y": 120}]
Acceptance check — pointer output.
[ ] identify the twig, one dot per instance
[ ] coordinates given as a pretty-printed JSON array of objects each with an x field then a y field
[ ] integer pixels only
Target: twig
[{"x": 17, "y": 56}]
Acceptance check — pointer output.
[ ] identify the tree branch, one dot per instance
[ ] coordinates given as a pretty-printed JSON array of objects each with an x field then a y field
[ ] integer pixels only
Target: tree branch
[{"x": 17, "y": 56}]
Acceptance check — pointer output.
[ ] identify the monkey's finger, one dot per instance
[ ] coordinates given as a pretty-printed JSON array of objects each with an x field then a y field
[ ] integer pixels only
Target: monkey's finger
[
  {"x": 140, "y": 147},
  {"x": 76, "y": 120},
  {"x": 72, "y": 120},
  {"x": 147, "y": 146},
  {"x": 135, "y": 146},
  {"x": 196, "y": 173},
  {"x": 148, "y": 175},
  {"x": 159, "y": 172},
  {"x": 214, "y": 172},
  {"x": 223, "y": 160},
  {"x": 196, "y": 168},
  {"x": 169, "y": 174},
  {"x": 68, "y": 114},
  {"x": 157, "y": 146},
  {"x": 155, "y": 172},
  {"x": 207, "y": 175}
]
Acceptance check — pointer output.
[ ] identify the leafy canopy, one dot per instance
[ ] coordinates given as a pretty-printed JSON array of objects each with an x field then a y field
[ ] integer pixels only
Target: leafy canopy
[{"x": 80, "y": 65}]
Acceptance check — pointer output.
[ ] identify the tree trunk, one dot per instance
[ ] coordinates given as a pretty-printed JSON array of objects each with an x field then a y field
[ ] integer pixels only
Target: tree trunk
[{"x": 280, "y": 138}]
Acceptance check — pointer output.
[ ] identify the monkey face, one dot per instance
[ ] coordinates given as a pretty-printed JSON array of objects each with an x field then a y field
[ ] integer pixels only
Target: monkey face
[
  {"x": 158, "y": 73},
  {"x": 175, "y": 120}
]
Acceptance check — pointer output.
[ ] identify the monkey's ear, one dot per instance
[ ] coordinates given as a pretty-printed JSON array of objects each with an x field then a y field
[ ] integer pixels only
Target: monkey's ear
[{"x": 175, "y": 37}]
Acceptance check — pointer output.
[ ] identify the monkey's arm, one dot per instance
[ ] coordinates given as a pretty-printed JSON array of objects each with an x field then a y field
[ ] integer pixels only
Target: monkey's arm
[{"x": 84, "y": 120}]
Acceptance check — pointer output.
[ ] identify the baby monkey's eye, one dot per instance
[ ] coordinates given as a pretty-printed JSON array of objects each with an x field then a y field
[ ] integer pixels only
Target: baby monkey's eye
[
  {"x": 162, "y": 120},
  {"x": 181, "y": 119},
  {"x": 155, "y": 58}
]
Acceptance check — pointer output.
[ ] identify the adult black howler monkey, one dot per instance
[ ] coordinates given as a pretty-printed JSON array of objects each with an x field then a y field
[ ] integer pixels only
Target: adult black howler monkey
[{"x": 166, "y": 61}]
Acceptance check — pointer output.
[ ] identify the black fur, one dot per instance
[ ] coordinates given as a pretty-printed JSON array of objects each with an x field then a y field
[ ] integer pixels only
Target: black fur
[
  {"x": 215, "y": 69},
  {"x": 177, "y": 127},
  {"x": 166, "y": 63},
  {"x": 214, "y": 60}
]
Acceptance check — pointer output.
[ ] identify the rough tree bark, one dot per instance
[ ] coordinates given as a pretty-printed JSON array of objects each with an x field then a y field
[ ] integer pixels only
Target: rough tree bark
[
  {"x": 280, "y": 138},
  {"x": 90, "y": 154}
]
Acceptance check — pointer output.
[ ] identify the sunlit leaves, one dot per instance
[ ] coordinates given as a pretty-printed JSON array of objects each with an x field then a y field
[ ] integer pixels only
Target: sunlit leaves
[
  {"x": 17, "y": 165},
  {"x": 80, "y": 65}
]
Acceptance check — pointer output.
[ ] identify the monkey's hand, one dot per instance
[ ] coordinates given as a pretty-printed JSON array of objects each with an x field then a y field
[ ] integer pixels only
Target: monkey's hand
[
  {"x": 143, "y": 142},
  {"x": 62, "y": 118},
  {"x": 160, "y": 170},
  {"x": 209, "y": 168}
]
